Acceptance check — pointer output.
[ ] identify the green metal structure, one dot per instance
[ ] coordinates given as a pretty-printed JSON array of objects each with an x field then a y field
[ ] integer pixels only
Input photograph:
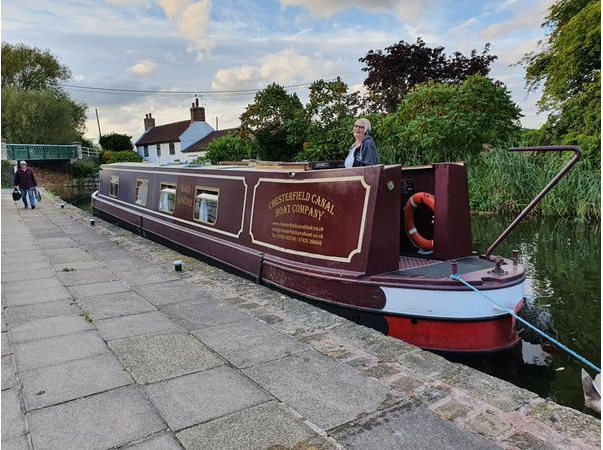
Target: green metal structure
[{"x": 41, "y": 152}]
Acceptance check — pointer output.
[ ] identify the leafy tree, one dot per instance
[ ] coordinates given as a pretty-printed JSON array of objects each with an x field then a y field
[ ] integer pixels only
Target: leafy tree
[
  {"x": 30, "y": 68},
  {"x": 41, "y": 117},
  {"x": 438, "y": 122},
  {"x": 326, "y": 122},
  {"x": 267, "y": 120},
  {"x": 393, "y": 72},
  {"x": 34, "y": 107},
  {"x": 568, "y": 67},
  {"x": 229, "y": 148},
  {"x": 116, "y": 142}
]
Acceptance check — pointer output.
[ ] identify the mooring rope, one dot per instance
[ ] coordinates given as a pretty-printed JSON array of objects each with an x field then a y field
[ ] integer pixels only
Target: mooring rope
[{"x": 457, "y": 277}]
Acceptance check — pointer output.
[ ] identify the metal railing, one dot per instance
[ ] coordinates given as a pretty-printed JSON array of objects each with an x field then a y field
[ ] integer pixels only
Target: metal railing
[
  {"x": 38, "y": 152},
  {"x": 90, "y": 153}
]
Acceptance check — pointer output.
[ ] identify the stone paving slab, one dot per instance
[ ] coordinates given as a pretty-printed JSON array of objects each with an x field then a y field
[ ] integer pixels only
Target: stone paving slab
[
  {"x": 51, "y": 385},
  {"x": 16, "y": 443},
  {"x": 48, "y": 327},
  {"x": 199, "y": 314},
  {"x": 160, "y": 441},
  {"x": 85, "y": 276},
  {"x": 32, "y": 267},
  {"x": 79, "y": 265},
  {"x": 114, "y": 305},
  {"x": 249, "y": 342},
  {"x": 58, "y": 349},
  {"x": 9, "y": 378},
  {"x": 6, "y": 348},
  {"x": 19, "y": 314},
  {"x": 407, "y": 426},
  {"x": 40, "y": 274},
  {"x": 147, "y": 276},
  {"x": 326, "y": 392},
  {"x": 101, "y": 421},
  {"x": 31, "y": 284},
  {"x": 268, "y": 425},
  {"x": 67, "y": 255},
  {"x": 160, "y": 294},
  {"x": 105, "y": 287},
  {"x": 13, "y": 422},
  {"x": 31, "y": 297},
  {"x": 56, "y": 242},
  {"x": 158, "y": 357},
  {"x": 134, "y": 325},
  {"x": 202, "y": 396}
]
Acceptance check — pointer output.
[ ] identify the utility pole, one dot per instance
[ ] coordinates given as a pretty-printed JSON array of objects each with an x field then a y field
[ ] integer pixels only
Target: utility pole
[{"x": 98, "y": 123}]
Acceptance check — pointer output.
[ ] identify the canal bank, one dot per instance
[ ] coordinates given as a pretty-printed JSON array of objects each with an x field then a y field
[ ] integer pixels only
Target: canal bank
[{"x": 110, "y": 347}]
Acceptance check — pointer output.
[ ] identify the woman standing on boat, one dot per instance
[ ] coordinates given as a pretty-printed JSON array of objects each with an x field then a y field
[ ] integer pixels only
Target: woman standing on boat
[{"x": 363, "y": 151}]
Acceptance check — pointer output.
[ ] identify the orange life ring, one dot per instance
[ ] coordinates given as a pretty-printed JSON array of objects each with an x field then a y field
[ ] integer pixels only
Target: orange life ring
[{"x": 420, "y": 198}]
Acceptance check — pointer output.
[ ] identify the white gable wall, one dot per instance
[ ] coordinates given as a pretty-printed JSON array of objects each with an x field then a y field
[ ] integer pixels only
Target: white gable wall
[{"x": 194, "y": 133}]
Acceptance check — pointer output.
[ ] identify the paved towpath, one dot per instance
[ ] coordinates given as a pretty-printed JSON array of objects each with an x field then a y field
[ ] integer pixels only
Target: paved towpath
[{"x": 105, "y": 346}]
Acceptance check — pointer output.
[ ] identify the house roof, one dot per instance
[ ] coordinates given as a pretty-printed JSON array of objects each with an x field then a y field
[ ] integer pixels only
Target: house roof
[
  {"x": 170, "y": 132},
  {"x": 202, "y": 144}
]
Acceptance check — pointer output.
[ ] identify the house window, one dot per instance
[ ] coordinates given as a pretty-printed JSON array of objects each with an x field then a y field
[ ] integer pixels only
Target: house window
[
  {"x": 158, "y": 149},
  {"x": 146, "y": 151},
  {"x": 142, "y": 191},
  {"x": 167, "y": 198},
  {"x": 114, "y": 187},
  {"x": 172, "y": 148},
  {"x": 206, "y": 205}
]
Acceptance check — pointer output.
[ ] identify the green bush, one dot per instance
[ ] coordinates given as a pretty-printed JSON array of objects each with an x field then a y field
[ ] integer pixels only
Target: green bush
[
  {"x": 85, "y": 169},
  {"x": 439, "y": 122},
  {"x": 108, "y": 157},
  {"x": 229, "y": 148}
]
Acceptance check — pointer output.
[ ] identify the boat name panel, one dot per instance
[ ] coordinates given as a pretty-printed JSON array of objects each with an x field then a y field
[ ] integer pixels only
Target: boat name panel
[{"x": 321, "y": 218}]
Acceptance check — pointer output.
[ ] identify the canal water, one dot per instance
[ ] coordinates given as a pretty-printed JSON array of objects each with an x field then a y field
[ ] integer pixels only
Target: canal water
[{"x": 562, "y": 259}]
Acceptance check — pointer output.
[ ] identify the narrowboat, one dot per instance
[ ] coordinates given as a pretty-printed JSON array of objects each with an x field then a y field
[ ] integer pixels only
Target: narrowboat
[{"x": 374, "y": 244}]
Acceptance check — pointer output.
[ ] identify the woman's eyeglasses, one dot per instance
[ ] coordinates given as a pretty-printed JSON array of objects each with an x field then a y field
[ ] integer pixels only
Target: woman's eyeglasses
[{"x": 359, "y": 126}]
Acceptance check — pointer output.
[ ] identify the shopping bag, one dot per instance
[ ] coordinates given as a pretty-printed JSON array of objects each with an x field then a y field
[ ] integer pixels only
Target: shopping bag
[{"x": 16, "y": 195}]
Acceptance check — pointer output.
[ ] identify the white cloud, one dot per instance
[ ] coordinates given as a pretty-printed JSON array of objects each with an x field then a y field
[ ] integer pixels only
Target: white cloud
[
  {"x": 193, "y": 24},
  {"x": 284, "y": 67},
  {"x": 523, "y": 18},
  {"x": 143, "y": 67},
  {"x": 171, "y": 8},
  {"x": 404, "y": 9}
]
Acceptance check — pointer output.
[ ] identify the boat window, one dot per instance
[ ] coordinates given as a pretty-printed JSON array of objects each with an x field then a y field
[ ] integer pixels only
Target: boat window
[
  {"x": 167, "y": 197},
  {"x": 114, "y": 187},
  {"x": 142, "y": 191},
  {"x": 206, "y": 205}
]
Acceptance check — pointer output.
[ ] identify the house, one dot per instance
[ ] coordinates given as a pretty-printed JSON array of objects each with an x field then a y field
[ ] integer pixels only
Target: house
[{"x": 182, "y": 141}]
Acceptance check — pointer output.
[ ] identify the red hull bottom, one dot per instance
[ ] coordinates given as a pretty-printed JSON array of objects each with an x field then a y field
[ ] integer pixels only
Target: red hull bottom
[{"x": 467, "y": 337}]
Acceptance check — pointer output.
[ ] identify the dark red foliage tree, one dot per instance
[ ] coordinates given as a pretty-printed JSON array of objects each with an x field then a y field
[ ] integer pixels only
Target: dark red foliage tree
[{"x": 397, "y": 69}]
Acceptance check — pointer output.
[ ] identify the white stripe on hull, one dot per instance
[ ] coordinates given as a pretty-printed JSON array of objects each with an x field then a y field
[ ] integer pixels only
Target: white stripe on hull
[{"x": 451, "y": 304}]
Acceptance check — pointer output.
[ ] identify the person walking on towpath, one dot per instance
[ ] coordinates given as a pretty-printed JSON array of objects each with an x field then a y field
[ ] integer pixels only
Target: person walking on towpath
[{"x": 25, "y": 180}]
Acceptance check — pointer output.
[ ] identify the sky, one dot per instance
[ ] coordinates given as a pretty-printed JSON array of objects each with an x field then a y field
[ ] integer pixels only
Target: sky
[{"x": 207, "y": 49}]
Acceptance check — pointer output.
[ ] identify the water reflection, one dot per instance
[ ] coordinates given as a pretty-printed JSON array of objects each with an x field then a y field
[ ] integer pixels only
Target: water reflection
[
  {"x": 563, "y": 268},
  {"x": 79, "y": 196}
]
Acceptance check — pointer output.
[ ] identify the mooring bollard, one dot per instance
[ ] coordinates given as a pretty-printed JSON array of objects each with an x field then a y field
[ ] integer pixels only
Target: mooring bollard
[
  {"x": 178, "y": 266},
  {"x": 62, "y": 205},
  {"x": 91, "y": 221}
]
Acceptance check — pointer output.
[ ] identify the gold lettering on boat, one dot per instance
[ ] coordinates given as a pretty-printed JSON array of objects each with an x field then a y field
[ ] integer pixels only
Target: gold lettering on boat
[{"x": 289, "y": 202}]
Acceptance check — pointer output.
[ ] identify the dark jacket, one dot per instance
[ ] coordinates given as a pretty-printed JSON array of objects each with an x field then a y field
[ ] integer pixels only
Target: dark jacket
[
  {"x": 366, "y": 154},
  {"x": 25, "y": 179}
]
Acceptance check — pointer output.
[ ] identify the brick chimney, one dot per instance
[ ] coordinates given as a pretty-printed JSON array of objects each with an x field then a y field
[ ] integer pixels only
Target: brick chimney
[
  {"x": 149, "y": 122},
  {"x": 197, "y": 112}
]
